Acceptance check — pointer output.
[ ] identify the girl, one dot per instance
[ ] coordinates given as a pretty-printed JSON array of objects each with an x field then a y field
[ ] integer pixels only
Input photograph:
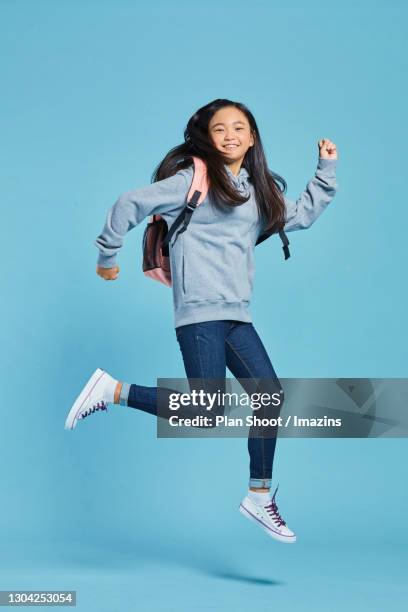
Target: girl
[{"x": 212, "y": 270}]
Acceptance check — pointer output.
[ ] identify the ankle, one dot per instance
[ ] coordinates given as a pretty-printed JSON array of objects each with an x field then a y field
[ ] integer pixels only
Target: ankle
[{"x": 116, "y": 396}]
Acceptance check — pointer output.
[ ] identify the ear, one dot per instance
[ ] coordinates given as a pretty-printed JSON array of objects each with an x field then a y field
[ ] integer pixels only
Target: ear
[{"x": 252, "y": 139}]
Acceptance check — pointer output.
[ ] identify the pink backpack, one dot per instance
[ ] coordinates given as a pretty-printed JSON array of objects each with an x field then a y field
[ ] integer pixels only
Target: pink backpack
[{"x": 157, "y": 236}]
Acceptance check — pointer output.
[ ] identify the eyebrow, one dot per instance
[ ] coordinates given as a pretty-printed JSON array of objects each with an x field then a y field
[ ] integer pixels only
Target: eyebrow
[{"x": 219, "y": 123}]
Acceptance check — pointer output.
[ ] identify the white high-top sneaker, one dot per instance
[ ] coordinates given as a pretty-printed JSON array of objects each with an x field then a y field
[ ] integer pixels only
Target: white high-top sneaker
[
  {"x": 98, "y": 392},
  {"x": 268, "y": 518}
]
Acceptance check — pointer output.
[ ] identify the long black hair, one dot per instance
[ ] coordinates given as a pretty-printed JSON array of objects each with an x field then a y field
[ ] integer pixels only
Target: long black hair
[{"x": 268, "y": 185}]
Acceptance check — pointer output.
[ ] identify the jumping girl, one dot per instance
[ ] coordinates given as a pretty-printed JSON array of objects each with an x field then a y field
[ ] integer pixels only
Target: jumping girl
[{"x": 212, "y": 269}]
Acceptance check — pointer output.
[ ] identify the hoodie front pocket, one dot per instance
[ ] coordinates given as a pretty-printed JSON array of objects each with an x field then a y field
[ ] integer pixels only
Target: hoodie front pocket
[
  {"x": 183, "y": 282},
  {"x": 216, "y": 274}
]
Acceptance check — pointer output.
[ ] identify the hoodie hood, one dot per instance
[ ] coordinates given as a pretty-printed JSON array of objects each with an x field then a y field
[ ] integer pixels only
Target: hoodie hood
[{"x": 241, "y": 180}]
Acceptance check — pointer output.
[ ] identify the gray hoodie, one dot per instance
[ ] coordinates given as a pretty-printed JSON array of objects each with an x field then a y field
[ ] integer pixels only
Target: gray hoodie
[{"x": 212, "y": 262}]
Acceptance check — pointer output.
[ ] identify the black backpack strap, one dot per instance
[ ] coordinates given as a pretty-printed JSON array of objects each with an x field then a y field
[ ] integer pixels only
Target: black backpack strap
[
  {"x": 263, "y": 237},
  {"x": 183, "y": 218},
  {"x": 282, "y": 236},
  {"x": 285, "y": 242}
]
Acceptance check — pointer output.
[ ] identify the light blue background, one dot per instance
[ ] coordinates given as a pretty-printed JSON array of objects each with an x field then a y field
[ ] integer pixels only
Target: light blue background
[{"x": 94, "y": 94}]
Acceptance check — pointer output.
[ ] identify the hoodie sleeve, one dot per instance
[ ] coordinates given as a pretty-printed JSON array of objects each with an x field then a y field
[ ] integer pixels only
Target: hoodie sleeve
[
  {"x": 133, "y": 206},
  {"x": 320, "y": 190}
]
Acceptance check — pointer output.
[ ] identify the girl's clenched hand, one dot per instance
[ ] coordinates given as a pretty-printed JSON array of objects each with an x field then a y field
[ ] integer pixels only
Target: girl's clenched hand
[
  {"x": 327, "y": 149},
  {"x": 108, "y": 273}
]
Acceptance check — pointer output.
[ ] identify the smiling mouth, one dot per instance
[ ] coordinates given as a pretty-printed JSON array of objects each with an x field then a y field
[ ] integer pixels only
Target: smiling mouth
[{"x": 230, "y": 146}]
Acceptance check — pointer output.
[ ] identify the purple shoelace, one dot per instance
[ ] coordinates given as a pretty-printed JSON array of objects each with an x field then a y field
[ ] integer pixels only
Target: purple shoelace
[
  {"x": 272, "y": 509},
  {"x": 99, "y": 406}
]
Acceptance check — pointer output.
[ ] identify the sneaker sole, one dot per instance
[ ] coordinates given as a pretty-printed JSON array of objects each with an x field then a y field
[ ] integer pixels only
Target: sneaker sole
[
  {"x": 269, "y": 531},
  {"x": 71, "y": 419}
]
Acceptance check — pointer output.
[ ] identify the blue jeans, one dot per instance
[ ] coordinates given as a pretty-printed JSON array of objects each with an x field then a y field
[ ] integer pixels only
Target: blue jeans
[{"x": 207, "y": 349}]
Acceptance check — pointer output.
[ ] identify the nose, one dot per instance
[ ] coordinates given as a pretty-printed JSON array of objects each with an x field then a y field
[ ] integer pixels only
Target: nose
[{"x": 229, "y": 135}]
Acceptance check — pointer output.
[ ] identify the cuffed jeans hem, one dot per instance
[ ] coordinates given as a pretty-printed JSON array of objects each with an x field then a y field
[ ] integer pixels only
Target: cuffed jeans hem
[
  {"x": 124, "y": 394},
  {"x": 261, "y": 483}
]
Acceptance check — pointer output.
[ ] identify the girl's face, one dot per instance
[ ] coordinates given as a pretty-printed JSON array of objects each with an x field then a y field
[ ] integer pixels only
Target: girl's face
[{"x": 230, "y": 133}]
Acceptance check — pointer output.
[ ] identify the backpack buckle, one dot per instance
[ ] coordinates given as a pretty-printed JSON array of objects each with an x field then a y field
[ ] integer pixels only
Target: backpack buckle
[{"x": 191, "y": 206}]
